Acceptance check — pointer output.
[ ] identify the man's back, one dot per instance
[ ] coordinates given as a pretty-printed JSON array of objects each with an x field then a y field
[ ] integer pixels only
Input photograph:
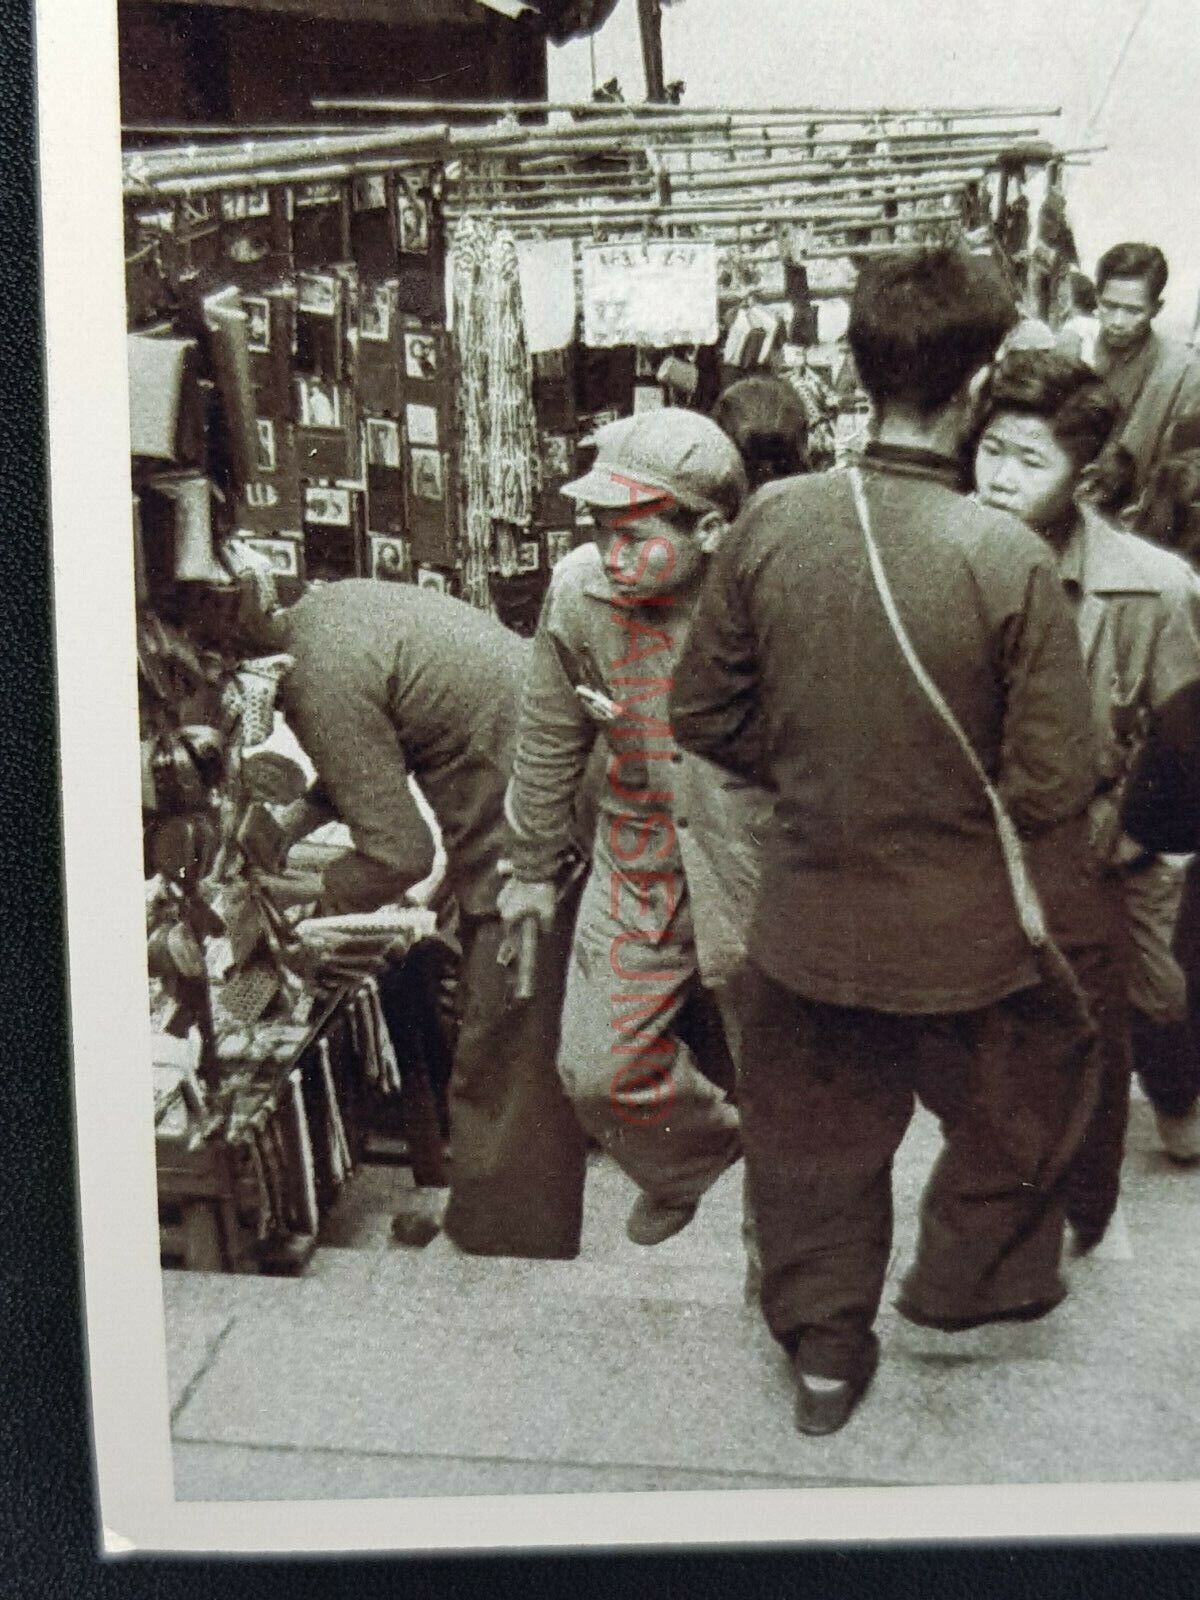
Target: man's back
[
  {"x": 884, "y": 884},
  {"x": 391, "y": 677}
]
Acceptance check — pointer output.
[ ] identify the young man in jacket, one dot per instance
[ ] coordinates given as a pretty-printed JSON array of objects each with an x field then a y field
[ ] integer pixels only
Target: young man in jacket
[
  {"x": 638, "y": 1025},
  {"x": 886, "y": 953},
  {"x": 1137, "y": 611},
  {"x": 1156, "y": 380}
]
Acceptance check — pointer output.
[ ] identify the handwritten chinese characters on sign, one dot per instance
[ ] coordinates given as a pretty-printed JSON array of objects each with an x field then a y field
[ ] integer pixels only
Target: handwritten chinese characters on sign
[{"x": 656, "y": 293}]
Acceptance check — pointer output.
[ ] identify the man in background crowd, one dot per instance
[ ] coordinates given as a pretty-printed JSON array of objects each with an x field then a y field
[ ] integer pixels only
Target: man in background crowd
[
  {"x": 1137, "y": 611},
  {"x": 1155, "y": 379},
  {"x": 886, "y": 955},
  {"x": 769, "y": 425}
]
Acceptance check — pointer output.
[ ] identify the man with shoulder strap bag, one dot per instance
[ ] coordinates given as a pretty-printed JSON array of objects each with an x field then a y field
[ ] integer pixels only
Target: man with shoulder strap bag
[{"x": 900, "y": 666}]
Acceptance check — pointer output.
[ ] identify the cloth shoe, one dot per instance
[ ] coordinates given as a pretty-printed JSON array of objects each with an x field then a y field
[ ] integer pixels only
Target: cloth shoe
[
  {"x": 823, "y": 1405},
  {"x": 1180, "y": 1135},
  {"x": 1030, "y": 1312},
  {"x": 650, "y": 1222}
]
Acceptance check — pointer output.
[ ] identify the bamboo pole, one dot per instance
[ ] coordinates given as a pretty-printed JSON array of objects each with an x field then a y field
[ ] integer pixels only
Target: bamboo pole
[
  {"x": 387, "y": 106},
  {"x": 283, "y": 152}
]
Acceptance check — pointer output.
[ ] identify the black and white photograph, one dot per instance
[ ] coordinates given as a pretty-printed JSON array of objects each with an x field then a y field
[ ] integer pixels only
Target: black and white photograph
[
  {"x": 389, "y": 559},
  {"x": 370, "y": 191},
  {"x": 425, "y": 474},
  {"x": 383, "y": 442},
  {"x": 318, "y": 293},
  {"x": 267, "y": 458},
  {"x": 283, "y": 554},
  {"x": 698, "y": 1018},
  {"x": 258, "y": 323},
  {"x": 327, "y": 507},
  {"x": 374, "y": 313},
  {"x": 559, "y": 543},
  {"x": 412, "y": 220},
  {"x": 556, "y": 456},
  {"x": 529, "y": 555},
  {"x": 421, "y": 424},
  {"x": 420, "y": 356},
  {"x": 319, "y": 404},
  {"x": 432, "y": 578}
]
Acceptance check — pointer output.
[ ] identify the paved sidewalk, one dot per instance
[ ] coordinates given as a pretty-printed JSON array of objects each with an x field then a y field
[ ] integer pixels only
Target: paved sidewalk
[{"x": 389, "y": 1371}]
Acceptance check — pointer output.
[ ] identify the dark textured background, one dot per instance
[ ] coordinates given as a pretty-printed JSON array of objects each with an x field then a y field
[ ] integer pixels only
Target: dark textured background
[{"x": 47, "y": 1539}]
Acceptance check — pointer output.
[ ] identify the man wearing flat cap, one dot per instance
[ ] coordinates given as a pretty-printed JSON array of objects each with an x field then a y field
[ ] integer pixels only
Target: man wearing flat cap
[{"x": 642, "y": 1047}]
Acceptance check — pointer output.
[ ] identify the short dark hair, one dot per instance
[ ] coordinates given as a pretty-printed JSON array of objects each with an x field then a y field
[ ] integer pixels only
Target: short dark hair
[
  {"x": 765, "y": 418},
  {"x": 1134, "y": 260},
  {"x": 922, "y": 321},
  {"x": 1083, "y": 293},
  {"x": 1081, "y": 410}
]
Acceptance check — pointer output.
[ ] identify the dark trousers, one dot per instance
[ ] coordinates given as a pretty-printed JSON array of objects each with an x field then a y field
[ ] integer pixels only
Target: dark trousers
[
  {"x": 827, "y": 1093},
  {"x": 517, "y": 1152}
]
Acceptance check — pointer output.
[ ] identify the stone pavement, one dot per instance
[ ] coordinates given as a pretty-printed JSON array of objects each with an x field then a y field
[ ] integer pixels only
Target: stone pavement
[{"x": 388, "y": 1371}]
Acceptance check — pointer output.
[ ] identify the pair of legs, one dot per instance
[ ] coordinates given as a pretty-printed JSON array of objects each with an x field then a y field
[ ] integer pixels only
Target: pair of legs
[
  {"x": 642, "y": 1050},
  {"x": 1164, "y": 1048},
  {"x": 827, "y": 1093},
  {"x": 517, "y": 1152}
]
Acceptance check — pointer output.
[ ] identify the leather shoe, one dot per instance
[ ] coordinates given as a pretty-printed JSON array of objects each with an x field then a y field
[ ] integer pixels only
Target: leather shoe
[
  {"x": 650, "y": 1222},
  {"x": 823, "y": 1405}
]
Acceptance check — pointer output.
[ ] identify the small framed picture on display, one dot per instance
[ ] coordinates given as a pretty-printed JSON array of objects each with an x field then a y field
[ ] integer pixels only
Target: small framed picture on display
[
  {"x": 559, "y": 543},
  {"x": 412, "y": 220},
  {"x": 422, "y": 424},
  {"x": 283, "y": 554},
  {"x": 258, "y": 323},
  {"x": 383, "y": 442},
  {"x": 420, "y": 356},
  {"x": 389, "y": 559},
  {"x": 326, "y": 507},
  {"x": 556, "y": 455},
  {"x": 370, "y": 191},
  {"x": 319, "y": 404},
  {"x": 375, "y": 314},
  {"x": 431, "y": 578},
  {"x": 267, "y": 458},
  {"x": 317, "y": 292},
  {"x": 426, "y": 474},
  {"x": 529, "y": 555}
]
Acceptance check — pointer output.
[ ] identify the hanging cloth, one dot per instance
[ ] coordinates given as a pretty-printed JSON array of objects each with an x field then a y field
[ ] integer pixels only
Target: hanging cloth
[{"x": 547, "y": 271}]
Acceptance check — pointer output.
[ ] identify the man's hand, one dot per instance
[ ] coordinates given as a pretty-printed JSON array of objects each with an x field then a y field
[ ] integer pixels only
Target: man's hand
[{"x": 517, "y": 900}]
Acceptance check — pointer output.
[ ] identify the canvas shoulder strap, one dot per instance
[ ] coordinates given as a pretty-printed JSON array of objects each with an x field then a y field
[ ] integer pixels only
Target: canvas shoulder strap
[{"x": 1029, "y": 906}]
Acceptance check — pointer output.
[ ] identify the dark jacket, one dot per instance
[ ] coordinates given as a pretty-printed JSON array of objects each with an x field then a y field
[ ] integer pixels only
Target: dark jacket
[
  {"x": 391, "y": 679},
  {"x": 883, "y": 882}
]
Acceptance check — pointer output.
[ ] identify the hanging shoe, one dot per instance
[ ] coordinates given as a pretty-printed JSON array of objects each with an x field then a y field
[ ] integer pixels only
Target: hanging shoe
[
  {"x": 1180, "y": 1135},
  {"x": 823, "y": 1405},
  {"x": 650, "y": 1222}
]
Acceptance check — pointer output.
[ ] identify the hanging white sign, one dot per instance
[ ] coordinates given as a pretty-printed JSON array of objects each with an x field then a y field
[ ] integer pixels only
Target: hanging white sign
[{"x": 655, "y": 293}]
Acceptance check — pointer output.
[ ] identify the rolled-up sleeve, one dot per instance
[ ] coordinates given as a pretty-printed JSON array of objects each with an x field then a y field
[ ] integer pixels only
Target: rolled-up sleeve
[
  {"x": 715, "y": 706},
  {"x": 1048, "y": 765},
  {"x": 555, "y": 736}
]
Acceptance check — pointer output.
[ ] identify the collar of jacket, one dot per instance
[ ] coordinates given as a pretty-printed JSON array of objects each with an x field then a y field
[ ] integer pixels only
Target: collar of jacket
[
  {"x": 1101, "y": 559},
  {"x": 592, "y": 582},
  {"x": 909, "y": 461}
]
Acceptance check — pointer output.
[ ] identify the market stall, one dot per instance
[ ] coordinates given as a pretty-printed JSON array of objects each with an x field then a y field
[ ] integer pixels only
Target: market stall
[{"x": 378, "y": 350}]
